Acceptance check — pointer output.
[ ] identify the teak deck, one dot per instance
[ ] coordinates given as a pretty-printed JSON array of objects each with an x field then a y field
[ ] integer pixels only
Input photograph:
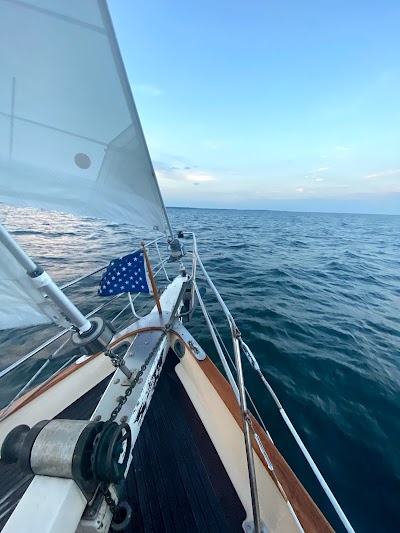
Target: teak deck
[{"x": 176, "y": 481}]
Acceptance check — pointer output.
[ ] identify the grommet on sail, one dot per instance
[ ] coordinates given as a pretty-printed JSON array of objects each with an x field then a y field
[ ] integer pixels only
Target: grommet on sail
[
  {"x": 70, "y": 136},
  {"x": 138, "y": 403}
]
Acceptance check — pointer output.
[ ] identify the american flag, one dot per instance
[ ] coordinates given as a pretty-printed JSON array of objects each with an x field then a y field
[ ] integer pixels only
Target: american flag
[{"x": 126, "y": 274}]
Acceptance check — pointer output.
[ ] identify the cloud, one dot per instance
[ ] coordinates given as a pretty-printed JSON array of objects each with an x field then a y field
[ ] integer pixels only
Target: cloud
[
  {"x": 195, "y": 177},
  {"x": 384, "y": 173},
  {"x": 148, "y": 90},
  {"x": 321, "y": 169},
  {"x": 319, "y": 179},
  {"x": 171, "y": 169},
  {"x": 342, "y": 148},
  {"x": 172, "y": 164},
  {"x": 300, "y": 189},
  {"x": 198, "y": 177}
]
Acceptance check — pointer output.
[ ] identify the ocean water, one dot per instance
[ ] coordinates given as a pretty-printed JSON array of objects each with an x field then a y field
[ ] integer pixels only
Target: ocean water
[{"x": 316, "y": 297}]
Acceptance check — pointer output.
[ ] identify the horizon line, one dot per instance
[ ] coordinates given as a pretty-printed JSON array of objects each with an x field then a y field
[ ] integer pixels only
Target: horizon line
[{"x": 282, "y": 211}]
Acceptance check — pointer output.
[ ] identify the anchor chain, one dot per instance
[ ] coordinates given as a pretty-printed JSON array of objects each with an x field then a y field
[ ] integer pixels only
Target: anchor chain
[
  {"x": 104, "y": 487},
  {"x": 107, "y": 496},
  {"x": 135, "y": 380},
  {"x": 116, "y": 359}
]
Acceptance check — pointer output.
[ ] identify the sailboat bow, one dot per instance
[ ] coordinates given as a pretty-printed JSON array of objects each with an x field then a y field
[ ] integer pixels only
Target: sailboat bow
[{"x": 137, "y": 430}]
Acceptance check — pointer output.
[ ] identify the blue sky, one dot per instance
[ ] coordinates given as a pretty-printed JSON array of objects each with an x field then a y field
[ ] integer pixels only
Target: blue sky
[{"x": 261, "y": 104}]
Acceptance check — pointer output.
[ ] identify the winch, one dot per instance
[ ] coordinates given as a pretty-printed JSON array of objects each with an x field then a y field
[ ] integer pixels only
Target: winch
[{"x": 87, "y": 452}]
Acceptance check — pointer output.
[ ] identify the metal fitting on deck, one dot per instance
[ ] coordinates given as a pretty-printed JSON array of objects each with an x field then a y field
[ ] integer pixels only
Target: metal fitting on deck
[
  {"x": 97, "y": 338},
  {"x": 74, "y": 449},
  {"x": 177, "y": 251}
]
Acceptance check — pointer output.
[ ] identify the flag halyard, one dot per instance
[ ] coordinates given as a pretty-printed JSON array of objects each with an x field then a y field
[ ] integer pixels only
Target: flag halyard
[{"x": 126, "y": 274}]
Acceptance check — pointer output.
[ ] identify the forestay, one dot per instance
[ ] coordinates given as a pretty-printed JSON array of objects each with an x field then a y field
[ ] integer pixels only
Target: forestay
[{"x": 70, "y": 136}]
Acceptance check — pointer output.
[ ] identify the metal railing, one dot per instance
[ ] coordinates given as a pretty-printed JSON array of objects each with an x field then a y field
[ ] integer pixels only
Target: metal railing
[
  {"x": 240, "y": 392},
  {"x": 157, "y": 269},
  {"x": 238, "y": 385}
]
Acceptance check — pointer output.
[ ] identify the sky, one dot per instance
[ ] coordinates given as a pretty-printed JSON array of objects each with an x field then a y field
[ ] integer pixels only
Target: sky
[{"x": 258, "y": 104}]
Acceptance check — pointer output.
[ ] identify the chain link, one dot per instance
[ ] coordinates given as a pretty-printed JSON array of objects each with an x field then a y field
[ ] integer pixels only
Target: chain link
[
  {"x": 107, "y": 496},
  {"x": 135, "y": 381},
  {"x": 104, "y": 488}
]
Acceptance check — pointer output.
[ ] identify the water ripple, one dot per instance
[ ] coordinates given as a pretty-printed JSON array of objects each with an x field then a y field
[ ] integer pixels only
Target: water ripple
[{"x": 317, "y": 298}]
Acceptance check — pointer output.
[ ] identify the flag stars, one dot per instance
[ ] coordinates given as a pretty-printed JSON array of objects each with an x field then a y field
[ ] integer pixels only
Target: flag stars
[{"x": 126, "y": 274}]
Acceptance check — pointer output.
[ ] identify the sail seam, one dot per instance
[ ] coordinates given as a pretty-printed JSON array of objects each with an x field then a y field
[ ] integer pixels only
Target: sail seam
[
  {"x": 54, "y": 14},
  {"x": 12, "y": 117},
  {"x": 125, "y": 84},
  {"x": 35, "y": 123}
]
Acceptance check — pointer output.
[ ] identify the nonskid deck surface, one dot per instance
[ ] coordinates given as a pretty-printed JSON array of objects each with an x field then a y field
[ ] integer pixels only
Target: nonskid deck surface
[{"x": 176, "y": 481}]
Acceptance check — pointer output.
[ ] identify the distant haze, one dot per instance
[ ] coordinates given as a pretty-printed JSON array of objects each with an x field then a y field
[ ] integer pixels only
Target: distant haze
[{"x": 268, "y": 105}]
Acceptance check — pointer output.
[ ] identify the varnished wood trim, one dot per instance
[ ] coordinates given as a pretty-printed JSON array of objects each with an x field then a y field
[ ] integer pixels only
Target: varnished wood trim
[
  {"x": 36, "y": 391},
  {"x": 311, "y": 518}
]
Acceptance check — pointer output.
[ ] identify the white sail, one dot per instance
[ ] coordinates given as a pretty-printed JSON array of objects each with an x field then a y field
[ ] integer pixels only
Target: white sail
[
  {"x": 70, "y": 136},
  {"x": 21, "y": 303}
]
